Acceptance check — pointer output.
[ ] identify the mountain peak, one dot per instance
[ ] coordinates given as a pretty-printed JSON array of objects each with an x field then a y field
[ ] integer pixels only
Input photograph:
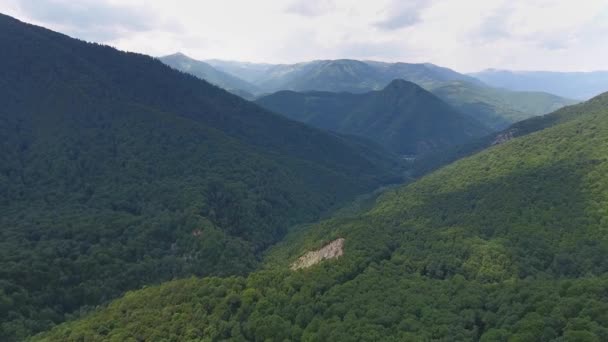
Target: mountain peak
[
  {"x": 401, "y": 84},
  {"x": 178, "y": 54}
]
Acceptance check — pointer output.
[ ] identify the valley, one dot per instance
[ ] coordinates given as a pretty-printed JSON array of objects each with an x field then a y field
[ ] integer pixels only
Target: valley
[{"x": 334, "y": 185}]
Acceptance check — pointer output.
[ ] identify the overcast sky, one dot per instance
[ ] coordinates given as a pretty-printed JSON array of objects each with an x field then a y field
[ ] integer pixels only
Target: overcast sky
[{"x": 466, "y": 35}]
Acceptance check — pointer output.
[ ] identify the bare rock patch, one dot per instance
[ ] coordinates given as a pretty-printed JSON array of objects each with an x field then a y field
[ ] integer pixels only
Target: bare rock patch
[{"x": 332, "y": 250}]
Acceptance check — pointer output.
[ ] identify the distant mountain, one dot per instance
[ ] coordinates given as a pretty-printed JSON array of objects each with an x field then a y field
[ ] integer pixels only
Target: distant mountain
[
  {"x": 250, "y": 72},
  {"x": 210, "y": 74},
  {"x": 426, "y": 75},
  {"x": 498, "y": 108},
  {"x": 509, "y": 244},
  {"x": 118, "y": 171},
  {"x": 339, "y": 75},
  {"x": 432, "y": 161},
  {"x": 494, "y": 107},
  {"x": 402, "y": 117},
  {"x": 576, "y": 85},
  {"x": 331, "y": 75}
]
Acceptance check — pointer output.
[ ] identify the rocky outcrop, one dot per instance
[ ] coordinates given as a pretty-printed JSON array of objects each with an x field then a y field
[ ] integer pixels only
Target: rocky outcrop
[
  {"x": 504, "y": 137},
  {"x": 332, "y": 250}
]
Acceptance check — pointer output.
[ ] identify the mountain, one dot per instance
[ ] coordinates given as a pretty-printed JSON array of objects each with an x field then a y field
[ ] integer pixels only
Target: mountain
[
  {"x": 434, "y": 160},
  {"x": 402, "y": 117},
  {"x": 325, "y": 75},
  {"x": 250, "y": 72},
  {"x": 506, "y": 245},
  {"x": 575, "y": 85},
  {"x": 498, "y": 108},
  {"x": 117, "y": 171},
  {"x": 426, "y": 75},
  {"x": 208, "y": 73},
  {"x": 343, "y": 75},
  {"x": 494, "y": 107}
]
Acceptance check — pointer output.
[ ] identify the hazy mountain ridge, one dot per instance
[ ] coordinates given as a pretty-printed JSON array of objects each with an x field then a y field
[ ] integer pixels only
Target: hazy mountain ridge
[
  {"x": 494, "y": 107},
  {"x": 576, "y": 85},
  {"x": 402, "y": 117},
  {"x": 210, "y": 74}
]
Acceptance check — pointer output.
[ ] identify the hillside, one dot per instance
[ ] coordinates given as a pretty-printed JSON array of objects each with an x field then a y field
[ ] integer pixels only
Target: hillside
[
  {"x": 208, "y": 73},
  {"x": 432, "y": 161},
  {"x": 575, "y": 85},
  {"x": 402, "y": 117},
  {"x": 494, "y": 107},
  {"x": 498, "y": 108},
  {"x": 508, "y": 244},
  {"x": 117, "y": 171}
]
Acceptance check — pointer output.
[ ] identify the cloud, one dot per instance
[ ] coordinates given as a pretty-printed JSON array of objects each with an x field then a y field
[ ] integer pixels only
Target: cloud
[
  {"x": 403, "y": 14},
  {"x": 519, "y": 23},
  {"x": 466, "y": 35},
  {"x": 495, "y": 26},
  {"x": 90, "y": 19},
  {"x": 310, "y": 8}
]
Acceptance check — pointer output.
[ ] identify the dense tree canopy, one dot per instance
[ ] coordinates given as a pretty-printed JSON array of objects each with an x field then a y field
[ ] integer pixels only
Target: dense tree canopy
[
  {"x": 505, "y": 245},
  {"x": 402, "y": 117},
  {"x": 117, "y": 171}
]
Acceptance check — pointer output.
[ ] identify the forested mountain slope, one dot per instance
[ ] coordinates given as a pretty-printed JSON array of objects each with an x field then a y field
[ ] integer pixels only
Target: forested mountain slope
[
  {"x": 117, "y": 171},
  {"x": 508, "y": 244},
  {"x": 402, "y": 117},
  {"x": 434, "y": 160}
]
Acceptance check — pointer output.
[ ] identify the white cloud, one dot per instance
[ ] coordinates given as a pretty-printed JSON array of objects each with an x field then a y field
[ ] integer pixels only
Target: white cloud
[
  {"x": 402, "y": 14},
  {"x": 466, "y": 35},
  {"x": 311, "y": 8}
]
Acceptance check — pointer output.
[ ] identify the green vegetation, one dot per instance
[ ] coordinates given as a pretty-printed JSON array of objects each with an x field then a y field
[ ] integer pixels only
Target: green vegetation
[
  {"x": 117, "y": 171},
  {"x": 505, "y": 245},
  {"x": 432, "y": 161},
  {"x": 497, "y": 108},
  {"x": 402, "y": 117}
]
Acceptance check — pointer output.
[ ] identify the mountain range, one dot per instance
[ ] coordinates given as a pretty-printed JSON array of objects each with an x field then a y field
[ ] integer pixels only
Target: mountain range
[
  {"x": 210, "y": 74},
  {"x": 508, "y": 244},
  {"x": 402, "y": 117},
  {"x": 142, "y": 200},
  {"x": 117, "y": 171},
  {"x": 574, "y": 85},
  {"x": 496, "y": 108}
]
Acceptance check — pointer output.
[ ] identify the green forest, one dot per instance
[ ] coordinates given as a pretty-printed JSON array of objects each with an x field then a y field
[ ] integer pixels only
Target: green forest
[
  {"x": 117, "y": 171},
  {"x": 505, "y": 245},
  {"x": 142, "y": 203},
  {"x": 402, "y": 117}
]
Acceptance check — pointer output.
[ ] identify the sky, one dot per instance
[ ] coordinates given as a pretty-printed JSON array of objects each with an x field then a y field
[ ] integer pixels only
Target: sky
[{"x": 465, "y": 35}]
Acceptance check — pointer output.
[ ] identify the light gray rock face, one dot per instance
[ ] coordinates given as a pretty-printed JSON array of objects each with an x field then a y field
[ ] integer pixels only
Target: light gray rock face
[
  {"x": 332, "y": 250},
  {"x": 504, "y": 137}
]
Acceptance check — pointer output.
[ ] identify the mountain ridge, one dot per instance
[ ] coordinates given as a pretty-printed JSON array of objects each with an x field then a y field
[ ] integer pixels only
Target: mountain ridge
[
  {"x": 507, "y": 244},
  {"x": 212, "y": 75},
  {"x": 577, "y": 85},
  {"x": 402, "y": 117},
  {"x": 493, "y": 107},
  {"x": 118, "y": 171}
]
